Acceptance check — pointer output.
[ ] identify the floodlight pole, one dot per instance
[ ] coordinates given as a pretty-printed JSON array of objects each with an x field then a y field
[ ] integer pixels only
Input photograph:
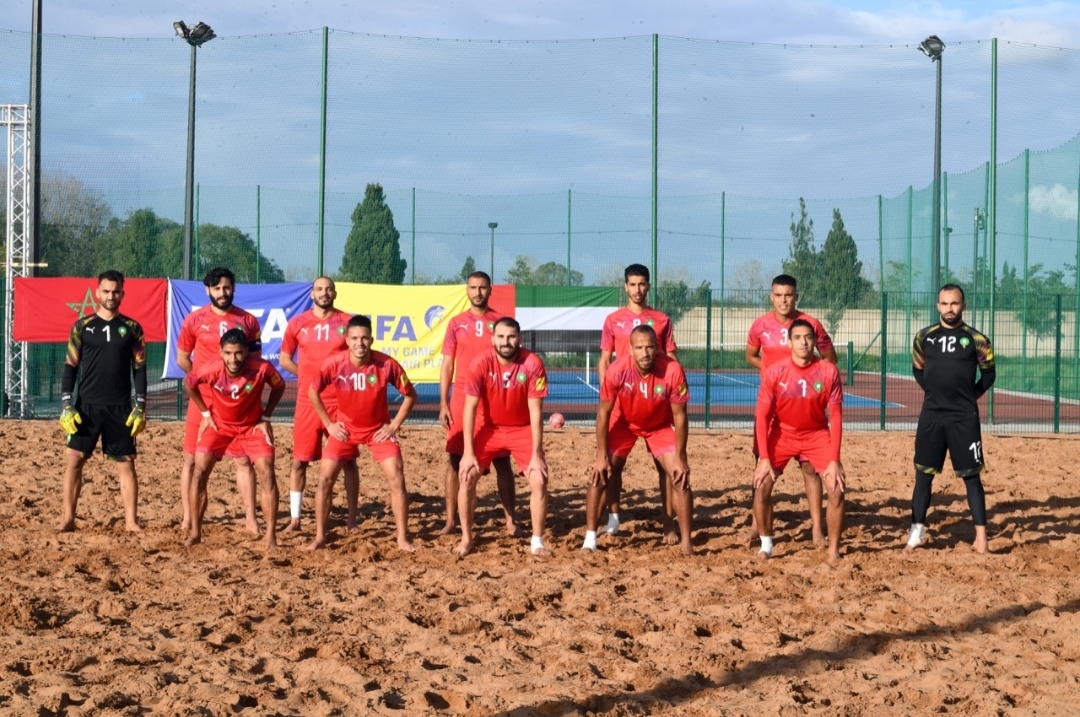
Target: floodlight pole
[
  {"x": 933, "y": 48},
  {"x": 491, "y": 226},
  {"x": 189, "y": 175}
]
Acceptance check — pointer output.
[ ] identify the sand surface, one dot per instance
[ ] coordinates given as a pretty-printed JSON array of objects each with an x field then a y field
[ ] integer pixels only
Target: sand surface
[{"x": 104, "y": 622}]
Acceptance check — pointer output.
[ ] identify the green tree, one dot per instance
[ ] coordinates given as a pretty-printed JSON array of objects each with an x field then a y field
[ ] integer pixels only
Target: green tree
[
  {"x": 372, "y": 251},
  {"x": 73, "y": 217},
  {"x": 141, "y": 245},
  {"x": 804, "y": 260},
  {"x": 675, "y": 298},
  {"x": 550, "y": 274},
  {"x": 228, "y": 246},
  {"x": 468, "y": 268},
  {"x": 841, "y": 279}
]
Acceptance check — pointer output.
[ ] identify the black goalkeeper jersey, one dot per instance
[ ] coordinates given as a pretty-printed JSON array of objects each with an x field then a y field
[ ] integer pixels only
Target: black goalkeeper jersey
[
  {"x": 108, "y": 353},
  {"x": 944, "y": 362}
]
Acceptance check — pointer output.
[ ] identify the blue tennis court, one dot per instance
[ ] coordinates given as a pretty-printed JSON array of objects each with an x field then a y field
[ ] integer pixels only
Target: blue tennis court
[{"x": 569, "y": 386}]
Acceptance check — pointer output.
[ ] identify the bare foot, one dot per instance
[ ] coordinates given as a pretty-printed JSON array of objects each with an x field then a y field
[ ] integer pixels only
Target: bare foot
[
  {"x": 587, "y": 551},
  {"x": 68, "y": 527},
  {"x": 819, "y": 539},
  {"x": 193, "y": 540},
  {"x": 463, "y": 548},
  {"x": 352, "y": 525},
  {"x": 514, "y": 531},
  {"x": 253, "y": 528},
  {"x": 292, "y": 527},
  {"x": 981, "y": 546},
  {"x": 762, "y": 555},
  {"x": 185, "y": 523},
  {"x": 751, "y": 533},
  {"x": 405, "y": 546},
  {"x": 541, "y": 552},
  {"x": 271, "y": 544},
  {"x": 133, "y": 528},
  {"x": 671, "y": 536},
  {"x": 316, "y": 545},
  {"x": 449, "y": 528},
  {"x": 687, "y": 549},
  {"x": 834, "y": 556}
]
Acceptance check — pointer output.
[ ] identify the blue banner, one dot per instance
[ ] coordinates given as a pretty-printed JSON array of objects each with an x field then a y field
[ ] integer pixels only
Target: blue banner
[{"x": 272, "y": 304}]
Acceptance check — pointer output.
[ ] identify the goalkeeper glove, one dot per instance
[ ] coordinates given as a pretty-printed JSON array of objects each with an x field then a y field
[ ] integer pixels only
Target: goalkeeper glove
[
  {"x": 136, "y": 421},
  {"x": 69, "y": 417}
]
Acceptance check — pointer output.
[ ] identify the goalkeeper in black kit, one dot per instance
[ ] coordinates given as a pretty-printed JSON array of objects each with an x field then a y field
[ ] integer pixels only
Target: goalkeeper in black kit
[
  {"x": 944, "y": 360},
  {"x": 107, "y": 353}
]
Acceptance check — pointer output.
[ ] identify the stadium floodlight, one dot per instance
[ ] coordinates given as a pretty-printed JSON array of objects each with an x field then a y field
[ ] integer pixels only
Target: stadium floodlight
[
  {"x": 491, "y": 226},
  {"x": 933, "y": 48},
  {"x": 196, "y": 36}
]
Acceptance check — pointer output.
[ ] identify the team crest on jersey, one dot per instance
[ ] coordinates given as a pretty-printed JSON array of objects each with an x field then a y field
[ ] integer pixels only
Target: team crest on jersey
[
  {"x": 650, "y": 322},
  {"x": 249, "y": 387},
  {"x": 373, "y": 379},
  {"x": 341, "y": 330},
  {"x": 658, "y": 390},
  {"x": 818, "y": 386},
  {"x": 964, "y": 341},
  {"x": 491, "y": 326},
  {"x": 541, "y": 383},
  {"x": 122, "y": 331},
  {"x": 521, "y": 377}
]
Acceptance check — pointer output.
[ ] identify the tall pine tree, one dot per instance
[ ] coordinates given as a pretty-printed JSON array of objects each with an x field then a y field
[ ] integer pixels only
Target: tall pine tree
[{"x": 372, "y": 251}]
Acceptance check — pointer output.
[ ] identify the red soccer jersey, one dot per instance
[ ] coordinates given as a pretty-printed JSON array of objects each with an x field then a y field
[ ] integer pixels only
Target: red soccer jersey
[
  {"x": 361, "y": 390},
  {"x": 316, "y": 339},
  {"x": 468, "y": 335},
  {"x": 201, "y": 332},
  {"x": 645, "y": 401},
  {"x": 771, "y": 335},
  {"x": 799, "y": 395},
  {"x": 615, "y": 336},
  {"x": 235, "y": 402},
  {"x": 504, "y": 390}
]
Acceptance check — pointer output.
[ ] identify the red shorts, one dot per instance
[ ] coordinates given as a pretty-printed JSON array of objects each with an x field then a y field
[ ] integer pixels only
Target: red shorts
[
  {"x": 812, "y": 446},
  {"x": 493, "y": 442},
  {"x": 345, "y": 451},
  {"x": 757, "y": 454},
  {"x": 621, "y": 439},
  {"x": 235, "y": 443},
  {"x": 455, "y": 434},
  {"x": 308, "y": 430}
]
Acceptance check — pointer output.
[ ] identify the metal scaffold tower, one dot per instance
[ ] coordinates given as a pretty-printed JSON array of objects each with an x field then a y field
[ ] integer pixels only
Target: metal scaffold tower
[{"x": 18, "y": 259}]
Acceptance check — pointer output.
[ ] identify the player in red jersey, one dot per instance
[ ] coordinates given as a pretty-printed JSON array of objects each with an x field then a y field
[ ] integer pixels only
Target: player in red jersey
[
  {"x": 198, "y": 345},
  {"x": 651, "y": 393},
  {"x": 768, "y": 343},
  {"x": 234, "y": 422},
  {"x": 615, "y": 338},
  {"x": 361, "y": 377},
  {"x": 510, "y": 383},
  {"x": 800, "y": 413},
  {"x": 468, "y": 334},
  {"x": 312, "y": 337}
]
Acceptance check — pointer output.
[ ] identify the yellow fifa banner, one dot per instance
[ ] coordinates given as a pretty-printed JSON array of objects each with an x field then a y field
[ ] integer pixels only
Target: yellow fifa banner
[{"x": 407, "y": 322}]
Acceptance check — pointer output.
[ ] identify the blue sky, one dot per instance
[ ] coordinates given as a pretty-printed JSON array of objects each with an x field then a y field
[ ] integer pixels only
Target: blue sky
[{"x": 503, "y": 127}]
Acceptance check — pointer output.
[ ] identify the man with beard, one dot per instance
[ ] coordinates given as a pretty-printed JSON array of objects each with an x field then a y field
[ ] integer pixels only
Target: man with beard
[
  {"x": 198, "y": 345},
  {"x": 234, "y": 422},
  {"x": 467, "y": 335},
  {"x": 615, "y": 340},
  {"x": 650, "y": 390},
  {"x": 511, "y": 383},
  {"x": 312, "y": 337},
  {"x": 944, "y": 360},
  {"x": 108, "y": 349}
]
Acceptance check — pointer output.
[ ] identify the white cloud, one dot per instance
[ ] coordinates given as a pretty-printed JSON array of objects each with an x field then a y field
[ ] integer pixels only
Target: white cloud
[{"x": 1057, "y": 201}]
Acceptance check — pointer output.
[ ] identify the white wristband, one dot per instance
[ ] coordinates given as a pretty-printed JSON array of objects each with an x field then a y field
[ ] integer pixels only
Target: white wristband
[
  {"x": 206, "y": 414},
  {"x": 266, "y": 418}
]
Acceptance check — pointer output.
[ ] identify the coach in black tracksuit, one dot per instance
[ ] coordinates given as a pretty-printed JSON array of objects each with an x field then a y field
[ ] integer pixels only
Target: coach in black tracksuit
[{"x": 944, "y": 360}]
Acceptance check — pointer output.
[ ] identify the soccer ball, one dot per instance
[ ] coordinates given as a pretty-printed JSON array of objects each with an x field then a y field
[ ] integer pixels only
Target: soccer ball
[{"x": 557, "y": 420}]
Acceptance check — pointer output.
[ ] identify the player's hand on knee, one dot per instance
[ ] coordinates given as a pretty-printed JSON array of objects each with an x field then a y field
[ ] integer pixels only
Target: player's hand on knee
[
  {"x": 467, "y": 466},
  {"x": 136, "y": 421},
  {"x": 70, "y": 419},
  {"x": 601, "y": 471},
  {"x": 680, "y": 477},
  {"x": 538, "y": 465},
  {"x": 764, "y": 472},
  {"x": 834, "y": 477}
]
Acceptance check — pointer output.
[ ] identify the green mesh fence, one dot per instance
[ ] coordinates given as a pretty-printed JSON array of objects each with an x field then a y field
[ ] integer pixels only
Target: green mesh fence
[{"x": 554, "y": 143}]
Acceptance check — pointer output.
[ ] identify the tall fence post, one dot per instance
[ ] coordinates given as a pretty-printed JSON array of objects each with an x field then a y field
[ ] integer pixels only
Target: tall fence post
[
  {"x": 655, "y": 162},
  {"x": 910, "y": 262},
  {"x": 880, "y": 245},
  {"x": 258, "y": 234},
  {"x": 1076, "y": 303},
  {"x": 413, "y": 265},
  {"x": 1027, "y": 275},
  {"x": 322, "y": 152},
  {"x": 708, "y": 359},
  {"x": 884, "y": 354},
  {"x": 1057, "y": 365},
  {"x": 850, "y": 363},
  {"x": 723, "y": 268},
  {"x": 197, "y": 255},
  {"x": 945, "y": 229},
  {"x": 991, "y": 225},
  {"x": 569, "y": 216}
]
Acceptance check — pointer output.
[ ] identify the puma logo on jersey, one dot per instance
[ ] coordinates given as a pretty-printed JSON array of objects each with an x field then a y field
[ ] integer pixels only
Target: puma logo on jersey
[
  {"x": 621, "y": 324},
  {"x": 766, "y": 334},
  {"x": 782, "y": 385},
  {"x": 204, "y": 326},
  {"x": 89, "y": 329}
]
